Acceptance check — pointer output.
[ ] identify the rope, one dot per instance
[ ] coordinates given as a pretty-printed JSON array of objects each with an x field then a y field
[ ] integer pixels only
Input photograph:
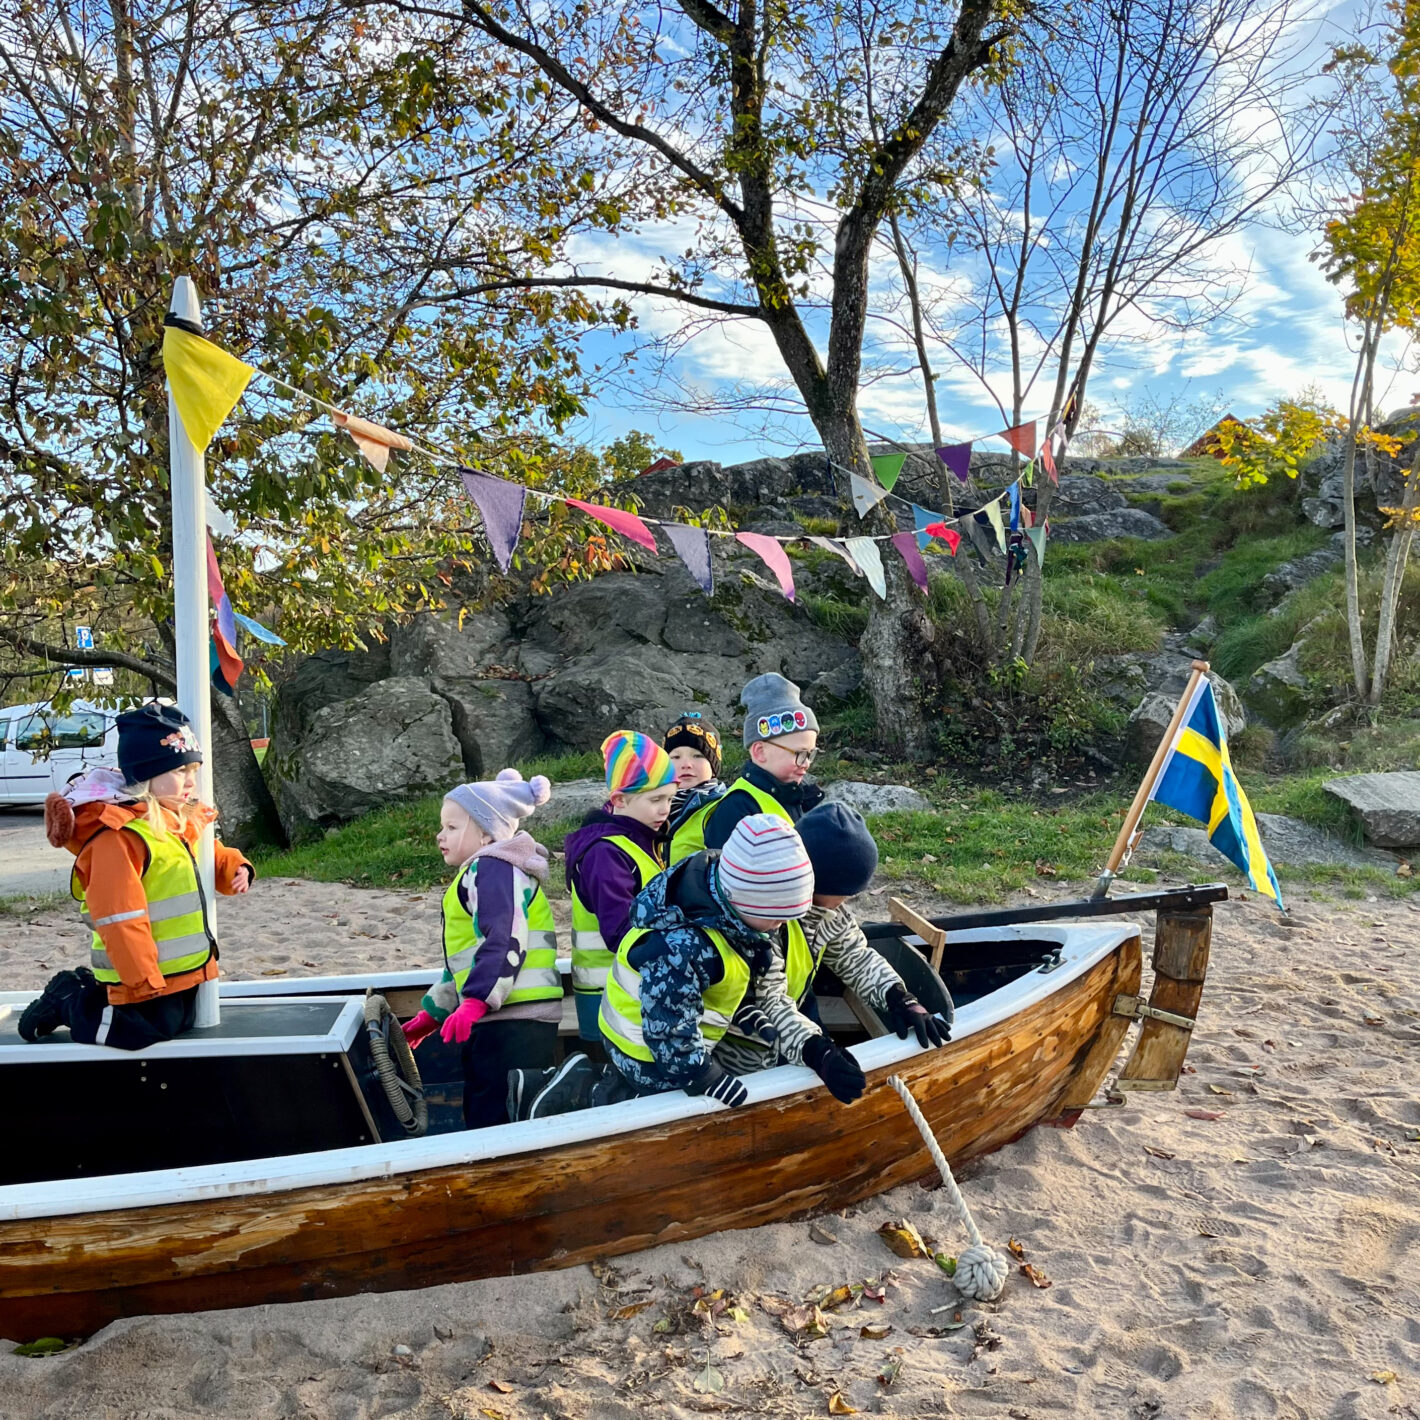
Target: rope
[{"x": 981, "y": 1270}]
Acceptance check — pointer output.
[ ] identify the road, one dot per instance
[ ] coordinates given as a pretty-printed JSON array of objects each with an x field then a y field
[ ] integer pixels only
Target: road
[{"x": 27, "y": 863}]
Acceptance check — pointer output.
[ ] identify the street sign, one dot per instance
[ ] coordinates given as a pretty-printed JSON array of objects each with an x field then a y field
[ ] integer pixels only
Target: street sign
[
  {"x": 83, "y": 638},
  {"x": 74, "y": 673},
  {"x": 102, "y": 675}
]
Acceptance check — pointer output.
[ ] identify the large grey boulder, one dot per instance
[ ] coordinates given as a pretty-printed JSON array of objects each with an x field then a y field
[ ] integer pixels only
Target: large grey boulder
[
  {"x": 1387, "y": 805},
  {"x": 1289, "y": 843},
  {"x": 1166, "y": 674},
  {"x": 1080, "y": 495},
  {"x": 1291, "y": 576},
  {"x": 1280, "y": 691},
  {"x": 571, "y": 799},
  {"x": 875, "y": 798},
  {"x": 393, "y": 740},
  {"x": 1099, "y": 527}
]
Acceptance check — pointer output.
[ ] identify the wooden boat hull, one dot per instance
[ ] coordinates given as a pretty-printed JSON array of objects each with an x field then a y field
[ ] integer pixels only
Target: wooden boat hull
[{"x": 780, "y": 1158}]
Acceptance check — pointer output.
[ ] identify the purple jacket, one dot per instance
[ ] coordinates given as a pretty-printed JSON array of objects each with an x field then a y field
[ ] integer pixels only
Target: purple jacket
[{"x": 601, "y": 875}]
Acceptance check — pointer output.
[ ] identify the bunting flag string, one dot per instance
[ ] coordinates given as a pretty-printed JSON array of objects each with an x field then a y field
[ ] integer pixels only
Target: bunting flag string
[
  {"x": 906, "y": 544},
  {"x": 1037, "y": 537},
  {"x": 1013, "y": 493},
  {"x": 619, "y": 520},
  {"x": 206, "y": 382},
  {"x": 992, "y": 510},
  {"x": 775, "y": 558},
  {"x": 693, "y": 546},
  {"x": 922, "y": 520},
  {"x": 866, "y": 555},
  {"x": 373, "y": 440}
]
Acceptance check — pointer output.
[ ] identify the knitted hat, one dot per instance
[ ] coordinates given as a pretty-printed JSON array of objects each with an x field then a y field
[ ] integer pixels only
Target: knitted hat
[
  {"x": 635, "y": 763},
  {"x": 773, "y": 708},
  {"x": 692, "y": 731},
  {"x": 497, "y": 805},
  {"x": 764, "y": 871},
  {"x": 841, "y": 849},
  {"x": 154, "y": 739}
]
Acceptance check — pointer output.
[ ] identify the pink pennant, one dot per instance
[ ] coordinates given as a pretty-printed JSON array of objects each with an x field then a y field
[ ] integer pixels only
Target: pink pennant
[
  {"x": 906, "y": 544},
  {"x": 1021, "y": 438},
  {"x": 1048, "y": 459},
  {"x": 775, "y": 558},
  {"x": 619, "y": 520},
  {"x": 373, "y": 440},
  {"x": 950, "y": 536}
]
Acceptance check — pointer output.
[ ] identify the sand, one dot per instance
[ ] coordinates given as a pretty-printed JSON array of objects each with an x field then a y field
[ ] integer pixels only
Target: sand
[{"x": 1260, "y": 1264}]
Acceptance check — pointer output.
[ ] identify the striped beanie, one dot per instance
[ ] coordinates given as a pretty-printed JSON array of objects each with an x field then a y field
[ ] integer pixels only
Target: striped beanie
[
  {"x": 765, "y": 870},
  {"x": 635, "y": 763}
]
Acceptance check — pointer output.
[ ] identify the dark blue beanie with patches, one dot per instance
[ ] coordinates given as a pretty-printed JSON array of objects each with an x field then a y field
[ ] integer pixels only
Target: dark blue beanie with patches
[
  {"x": 841, "y": 849},
  {"x": 154, "y": 739}
]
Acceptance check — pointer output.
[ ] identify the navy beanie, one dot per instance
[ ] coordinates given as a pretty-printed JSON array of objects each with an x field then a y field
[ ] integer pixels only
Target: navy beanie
[
  {"x": 154, "y": 739},
  {"x": 841, "y": 849}
]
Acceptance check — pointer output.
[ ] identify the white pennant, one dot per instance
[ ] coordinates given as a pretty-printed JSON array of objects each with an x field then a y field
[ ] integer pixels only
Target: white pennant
[
  {"x": 866, "y": 555},
  {"x": 866, "y": 496}
]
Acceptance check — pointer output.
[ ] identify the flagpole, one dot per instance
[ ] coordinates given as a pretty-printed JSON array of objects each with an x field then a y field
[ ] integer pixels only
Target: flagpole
[
  {"x": 187, "y": 475},
  {"x": 1122, "y": 844}
]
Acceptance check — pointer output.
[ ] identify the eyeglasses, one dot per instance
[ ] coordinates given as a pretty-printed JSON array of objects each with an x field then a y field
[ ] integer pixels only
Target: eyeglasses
[{"x": 803, "y": 758}]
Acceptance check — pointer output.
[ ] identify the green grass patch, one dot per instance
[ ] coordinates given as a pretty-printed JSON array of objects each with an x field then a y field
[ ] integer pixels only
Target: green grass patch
[
  {"x": 584, "y": 764},
  {"x": 30, "y": 904},
  {"x": 845, "y": 620}
]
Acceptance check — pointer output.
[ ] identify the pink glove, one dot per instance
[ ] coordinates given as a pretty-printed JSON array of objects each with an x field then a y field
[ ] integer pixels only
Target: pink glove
[
  {"x": 416, "y": 1028},
  {"x": 460, "y": 1025}
]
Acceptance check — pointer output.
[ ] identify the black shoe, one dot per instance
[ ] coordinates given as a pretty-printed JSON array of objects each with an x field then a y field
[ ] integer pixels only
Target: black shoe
[
  {"x": 53, "y": 1006},
  {"x": 570, "y": 1088},
  {"x": 612, "y": 1088},
  {"x": 523, "y": 1086}
]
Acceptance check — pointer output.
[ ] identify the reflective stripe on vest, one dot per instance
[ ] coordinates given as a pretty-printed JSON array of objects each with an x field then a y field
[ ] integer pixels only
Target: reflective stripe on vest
[
  {"x": 175, "y": 910},
  {"x": 620, "y": 1015},
  {"x": 800, "y": 962},
  {"x": 591, "y": 958},
  {"x": 689, "y": 838},
  {"x": 538, "y": 978}
]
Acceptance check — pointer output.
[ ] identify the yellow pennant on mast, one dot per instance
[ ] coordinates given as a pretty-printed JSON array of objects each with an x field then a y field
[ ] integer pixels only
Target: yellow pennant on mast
[{"x": 205, "y": 380}]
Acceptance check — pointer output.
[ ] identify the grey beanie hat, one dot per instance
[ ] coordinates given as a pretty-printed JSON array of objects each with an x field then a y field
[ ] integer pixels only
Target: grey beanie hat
[{"x": 773, "y": 708}]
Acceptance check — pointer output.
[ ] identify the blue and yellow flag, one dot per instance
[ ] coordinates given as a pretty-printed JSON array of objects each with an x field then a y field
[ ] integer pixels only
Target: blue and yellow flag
[{"x": 1197, "y": 779}]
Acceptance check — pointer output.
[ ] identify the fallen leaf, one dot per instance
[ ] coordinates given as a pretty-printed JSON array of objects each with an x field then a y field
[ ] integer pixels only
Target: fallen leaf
[
  {"x": 838, "y": 1406},
  {"x": 627, "y": 1312},
  {"x": 737, "y": 1314},
  {"x": 776, "y": 1306},
  {"x": 1204, "y": 1113},
  {"x": 502, "y": 1387},
  {"x": 1219, "y": 1090},
  {"x": 874, "y": 1293},
  {"x": 1384, "y": 1377},
  {"x": 1158, "y": 1153},
  {"x": 1374, "y": 1020},
  {"x": 1044, "y": 869},
  {"x": 1037, "y": 1277},
  {"x": 662, "y": 1326},
  {"x": 839, "y": 1296},
  {"x": 891, "y": 1367},
  {"x": 929, "y": 857},
  {"x": 1016, "y": 1250},
  {"x": 1403, "y": 870},
  {"x": 274, "y": 971},
  {"x": 709, "y": 1380},
  {"x": 492, "y": 1414},
  {"x": 45, "y": 1346},
  {"x": 903, "y": 1239},
  {"x": 807, "y": 1322},
  {"x": 877, "y": 1331},
  {"x": 947, "y": 1264},
  {"x": 930, "y": 1332},
  {"x": 820, "y": 1234}
]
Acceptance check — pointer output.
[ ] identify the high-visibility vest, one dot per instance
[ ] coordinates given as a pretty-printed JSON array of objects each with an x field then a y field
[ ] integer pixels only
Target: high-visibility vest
[
  {"x": 620, "y": 1017},
  {"x": 800, "y": 961},
  {"x": 689, "y": 838},
  {"x": 538, "y": 978},
  {"x": 591, "y": 958},
  {"x": 176, "y": 909}
]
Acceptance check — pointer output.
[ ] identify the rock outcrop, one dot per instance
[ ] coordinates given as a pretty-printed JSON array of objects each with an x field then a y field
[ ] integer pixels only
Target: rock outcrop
[
  {"x": 1387, "y": 806},
  {"x": 1152, "y": 685},
  {"x": 1122, "y": 522},
  {"x": 876, "y": 798}
]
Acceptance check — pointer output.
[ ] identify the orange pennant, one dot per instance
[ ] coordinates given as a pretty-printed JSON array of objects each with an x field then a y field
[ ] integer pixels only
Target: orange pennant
[{"x": 373, "y": 440}]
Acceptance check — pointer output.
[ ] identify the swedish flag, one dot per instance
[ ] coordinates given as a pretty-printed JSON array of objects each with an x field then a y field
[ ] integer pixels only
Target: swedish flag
[{"x": 1197, "y": 779}]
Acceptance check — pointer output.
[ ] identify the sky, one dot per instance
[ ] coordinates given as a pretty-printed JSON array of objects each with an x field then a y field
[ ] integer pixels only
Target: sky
[{"x": 1283, "y": 334}]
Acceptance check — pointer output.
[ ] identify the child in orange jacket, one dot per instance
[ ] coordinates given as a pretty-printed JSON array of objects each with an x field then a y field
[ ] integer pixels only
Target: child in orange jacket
[{"x": 133, "y": 836}]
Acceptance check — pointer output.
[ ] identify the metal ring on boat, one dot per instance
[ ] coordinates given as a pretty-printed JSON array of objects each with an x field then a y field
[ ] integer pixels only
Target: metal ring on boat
[{"x": 394, "y": 1060}]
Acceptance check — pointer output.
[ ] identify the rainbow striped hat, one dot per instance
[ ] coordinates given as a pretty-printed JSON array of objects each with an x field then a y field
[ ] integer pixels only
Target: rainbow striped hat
[{"x": 635, "y": 763}]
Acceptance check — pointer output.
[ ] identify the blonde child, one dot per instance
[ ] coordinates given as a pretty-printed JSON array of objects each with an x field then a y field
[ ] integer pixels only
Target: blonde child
[
  {"x": 135, "y": 877},
  {"x": 500, "y": 945}
]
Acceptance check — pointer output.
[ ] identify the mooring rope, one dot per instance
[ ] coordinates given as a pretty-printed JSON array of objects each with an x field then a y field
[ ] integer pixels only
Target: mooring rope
[{"x": 981, "y": 1270}]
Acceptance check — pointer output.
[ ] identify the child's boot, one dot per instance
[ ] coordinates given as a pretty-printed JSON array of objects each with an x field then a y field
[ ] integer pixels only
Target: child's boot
[{"x": 55, "y": 1005}]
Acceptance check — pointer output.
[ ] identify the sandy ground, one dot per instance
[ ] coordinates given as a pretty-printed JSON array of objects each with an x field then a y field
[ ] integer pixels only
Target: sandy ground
[{"x": 1261, "y": 1263}]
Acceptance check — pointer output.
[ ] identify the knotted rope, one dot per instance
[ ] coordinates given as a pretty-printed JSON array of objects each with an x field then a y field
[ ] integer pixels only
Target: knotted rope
[{"x": 981, "y": 1270}]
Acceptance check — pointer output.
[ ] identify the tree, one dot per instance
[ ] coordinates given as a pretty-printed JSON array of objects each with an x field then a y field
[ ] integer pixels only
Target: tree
[
  {"x": 1123, "y": 151},
  {"x": 1372, "y": 251},
  {"x": 319, "y": 176},
  {"x": 744, "y": 124}
]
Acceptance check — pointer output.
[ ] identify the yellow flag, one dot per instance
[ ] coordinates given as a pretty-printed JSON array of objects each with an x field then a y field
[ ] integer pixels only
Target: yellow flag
[
  {"x": 993, "y": 516},
  {"x": 206, "y": 382}
]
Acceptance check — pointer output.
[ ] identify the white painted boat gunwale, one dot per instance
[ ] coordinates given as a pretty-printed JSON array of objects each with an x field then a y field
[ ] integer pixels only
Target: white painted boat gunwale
[{"x": 1083, "y": 946}]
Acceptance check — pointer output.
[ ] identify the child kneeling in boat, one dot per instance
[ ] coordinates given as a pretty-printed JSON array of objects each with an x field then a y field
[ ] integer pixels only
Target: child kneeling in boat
[
  {"x": 777, "y": 1021},
  {"x": 136, "y": 880},
  {"x": 500, "y": 944},
  {"x": 697, "y": 948}
]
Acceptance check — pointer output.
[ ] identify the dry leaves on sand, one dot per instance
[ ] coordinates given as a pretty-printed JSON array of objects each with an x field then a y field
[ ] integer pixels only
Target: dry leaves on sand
[
  {"x": 903, "y": 1239},
  {"x": 709, "y": 1381},
  {"x": 627, "y": 1312},
  {"x": 1036, "y": 1277},
  {"x": 502, "y": 1387},
  {"x": 1209, "y": 1114},
  {"x": 890, "y": 1367},
  {"x": 875, "y": 1331},
  {"x": 1384, "y": 1377},
  {"x": 838, "y": 1406},
  {"x": 1158, "y": 1153}
]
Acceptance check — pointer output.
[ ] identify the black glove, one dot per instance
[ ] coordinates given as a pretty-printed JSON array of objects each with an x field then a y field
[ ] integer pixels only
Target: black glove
[
  {"x": 716, "y": 1083},
  {"x": 907, "y": 1013},
  {"x": 836, "y": 1068},
  {"x": 751, "y": 1021}
]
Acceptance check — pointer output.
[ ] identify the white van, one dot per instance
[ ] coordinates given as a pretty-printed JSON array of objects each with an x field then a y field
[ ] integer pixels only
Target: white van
[{"x": 41, "y": 750}]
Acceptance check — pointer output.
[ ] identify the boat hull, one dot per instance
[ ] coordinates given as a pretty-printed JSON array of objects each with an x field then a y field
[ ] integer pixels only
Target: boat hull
[{"x": 780, "y": 1158}]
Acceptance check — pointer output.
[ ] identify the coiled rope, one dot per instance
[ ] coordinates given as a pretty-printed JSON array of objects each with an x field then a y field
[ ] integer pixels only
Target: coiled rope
[{"x": 981, "y": 1270}]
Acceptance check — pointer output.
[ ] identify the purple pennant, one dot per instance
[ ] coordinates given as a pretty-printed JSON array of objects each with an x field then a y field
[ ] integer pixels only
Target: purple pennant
[
  {"x": 693, "y": 546},
  {"x": 957, "y": 457},
  {"x": 906, "y": 544},
  {"x": 501, "y": 504}
]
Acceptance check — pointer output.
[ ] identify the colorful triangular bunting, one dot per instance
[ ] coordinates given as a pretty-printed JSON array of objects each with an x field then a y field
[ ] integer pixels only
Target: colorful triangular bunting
[
  {"x": 255, "y": 628},
  {"x": 693, "y": 547},
  {"x": 1021, "y": 437},
  {"x": 833, "y": 545},
  {"x": 501, "y": 505},
  {"x": 957, "y": 457},
  {"x": 866, "y": 496},
  {"x": 886, "y": 468},
  {"x": 906, "y": 544},
  {"x": 206, "y": 382},
  {"x": 922, "y": 518},
  {"x": 1037, "y": 537},
  {"x": 866, "y": 555},
  {"x": 1013, "y": 494},
  {"x": 950, "y": 536},
  {"x": 373, "y": 440},
  {"x": 619, "y": 520},
  {"x": 775, "y": 558},
  {"x": 993, "y": 516}
]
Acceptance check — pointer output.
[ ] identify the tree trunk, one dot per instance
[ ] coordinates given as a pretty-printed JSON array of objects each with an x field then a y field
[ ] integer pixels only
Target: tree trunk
[
  {"x": 1360, "y": 395},
  {"x": 244, "y": 803},
  {"x": 1397, "y": 555}
]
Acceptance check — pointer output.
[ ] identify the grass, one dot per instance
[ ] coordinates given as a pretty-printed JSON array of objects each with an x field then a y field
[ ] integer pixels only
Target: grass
[{"x": 30, "y": 904}]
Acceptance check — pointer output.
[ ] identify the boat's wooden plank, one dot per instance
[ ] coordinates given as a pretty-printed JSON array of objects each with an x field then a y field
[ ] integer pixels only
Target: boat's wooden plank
[
  {"x": 1108, "y": 1039},
  {"x": 1181, "y": 945},
  {"x": 782, "y": 1158}
]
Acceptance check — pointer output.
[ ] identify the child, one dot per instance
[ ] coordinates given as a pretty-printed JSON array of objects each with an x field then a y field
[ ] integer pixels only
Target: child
[
  {"x": 135, "y": 878},
  {"x": 693, "y": 745},
  {"x": 697, "y": 949},
  {"x": 610, "y": 859},
  {"x": 781, "y": 735},
  {"x": 767, "y": 1029},
  {"x": 500, "y": 945}
]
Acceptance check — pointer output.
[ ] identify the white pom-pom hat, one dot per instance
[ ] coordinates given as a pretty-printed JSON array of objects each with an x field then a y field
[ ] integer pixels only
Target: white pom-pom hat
[{"x": 497, "y": 805}]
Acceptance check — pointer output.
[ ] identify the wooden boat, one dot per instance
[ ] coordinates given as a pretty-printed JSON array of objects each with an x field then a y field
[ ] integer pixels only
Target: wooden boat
[{"x": 1042, "y": 1010}]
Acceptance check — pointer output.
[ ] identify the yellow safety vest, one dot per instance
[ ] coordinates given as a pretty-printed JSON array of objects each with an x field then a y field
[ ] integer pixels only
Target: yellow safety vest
[
  {"x": 591, "y": 958},
  {"x": 176, "y": 910},
  {"x": 538, "y": 978},
  {"x": 689, "y": 838},
  {"x": 620, "y": 1017},
  {"x": 800, "y": 962}
]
